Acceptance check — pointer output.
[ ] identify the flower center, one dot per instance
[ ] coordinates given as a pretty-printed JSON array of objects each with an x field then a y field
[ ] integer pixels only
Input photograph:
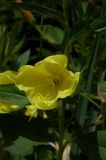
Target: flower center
[{"x": 56, "y": 81}]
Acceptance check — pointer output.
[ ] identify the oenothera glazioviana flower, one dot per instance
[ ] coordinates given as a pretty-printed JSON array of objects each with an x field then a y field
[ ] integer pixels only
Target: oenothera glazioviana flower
[
  {"x": 47, "y": 81},
  {"x": 7, "y": 77}
]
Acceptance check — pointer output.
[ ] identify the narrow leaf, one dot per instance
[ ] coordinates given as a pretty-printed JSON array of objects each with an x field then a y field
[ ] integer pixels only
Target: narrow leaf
[
  {"x": 23, "y": 58},
  {"x": 42, "y": 10},
  {"x": 102, "y": 90},
  {"x": 9, "y": 93},
  {"x": 94, "y": 144}
]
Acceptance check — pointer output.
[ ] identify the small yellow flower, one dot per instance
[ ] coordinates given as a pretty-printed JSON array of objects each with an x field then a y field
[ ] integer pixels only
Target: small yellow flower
[
  {"x": 47, "y": 81},
  {"x": 7, "y": 77},
  {"x": 7, "y": 107},
  {"x": 32, "y": 111}
]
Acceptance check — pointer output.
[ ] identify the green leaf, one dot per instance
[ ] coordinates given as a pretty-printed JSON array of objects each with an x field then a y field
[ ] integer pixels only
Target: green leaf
[
  {"x": 10, "y": 93},
  {"x": 103, "y": 111},
  {"x": 98, "y": 23},
  {"x": 3, "y": 40},
  {"x": 12, "y": 41},
  {"x": 21, "y": 147},
  {"x": 42, "y": 10},
  {"x": 91, "y": 96},
  {"x": 94, "y": 144},
  {"x": 37, "y": 129},
  {"x": 80, "y": 30},
  {"x": 23, "y": 58},
  {"x": 52, "y": 34},
  {"x": 101, "y": 30},
  {"x": 102, "y": 90},
  {"x": 46, "y": 153},
  {"x": 18, "y": 47}
]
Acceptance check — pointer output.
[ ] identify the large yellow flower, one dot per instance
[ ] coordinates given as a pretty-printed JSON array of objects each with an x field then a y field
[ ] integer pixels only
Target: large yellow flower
[
  {"x": 7, "y": 77},
  {"x": 47, "y": 81}
]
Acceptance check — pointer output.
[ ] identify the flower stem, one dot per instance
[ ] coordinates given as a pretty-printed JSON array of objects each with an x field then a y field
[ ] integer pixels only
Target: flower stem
[{"x": 61, "y": 132}]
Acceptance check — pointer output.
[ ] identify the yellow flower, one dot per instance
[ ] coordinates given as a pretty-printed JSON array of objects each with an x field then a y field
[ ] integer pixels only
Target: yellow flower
[
  {"x": 7, "y": 107},
  {"x": 32, "y": 111},
  {"x": 7, "y": 77},
  {"x": 47, "y": 81},
  {"x": 61, "y": 59}
]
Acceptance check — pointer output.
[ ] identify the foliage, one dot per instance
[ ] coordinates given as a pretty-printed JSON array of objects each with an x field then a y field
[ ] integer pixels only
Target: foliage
[{"x": 31, "y": 31}]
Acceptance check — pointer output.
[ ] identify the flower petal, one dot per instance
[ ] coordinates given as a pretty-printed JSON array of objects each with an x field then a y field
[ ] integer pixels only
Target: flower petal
[
  {"x": 47, "y": 105},
  {"x": 54, "y": 69},
  {"x": 40, "y": 101},
  {"x": 7, "y": 77},
  {"x": 31, "y": 111},
  {"x": 60, "y": 59},
  {"x": 69, "y": 84},
  {"x": 32, "y": 78}
]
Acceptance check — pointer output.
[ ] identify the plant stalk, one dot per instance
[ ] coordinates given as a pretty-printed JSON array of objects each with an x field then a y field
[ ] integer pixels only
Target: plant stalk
[{"x": 61, "y": 132}]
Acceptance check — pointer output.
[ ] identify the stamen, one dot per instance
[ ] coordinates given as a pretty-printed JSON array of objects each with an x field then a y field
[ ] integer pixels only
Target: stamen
[{"x": 57, "y": 81}]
